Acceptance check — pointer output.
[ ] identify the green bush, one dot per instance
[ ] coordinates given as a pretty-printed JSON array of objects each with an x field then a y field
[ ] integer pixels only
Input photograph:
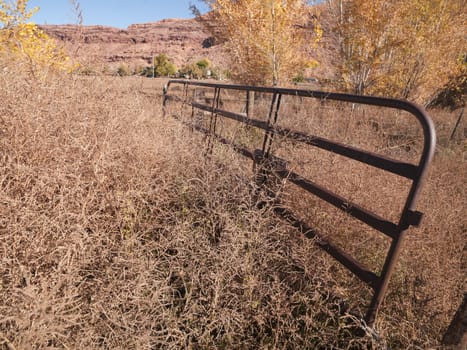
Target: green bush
[
  {"x": 163, "y": 67},
  {"x": 191, "y": 71}
]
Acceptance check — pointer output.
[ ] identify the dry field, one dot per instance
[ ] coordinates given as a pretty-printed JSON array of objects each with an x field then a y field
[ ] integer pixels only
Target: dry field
[{"x": 117, "y": 233}]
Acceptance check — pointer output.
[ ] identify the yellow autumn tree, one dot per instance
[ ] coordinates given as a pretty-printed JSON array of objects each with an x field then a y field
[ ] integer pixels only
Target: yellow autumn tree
[
  {"x": 23, "y": 42},
  {"x": 365, "y": 41},
  {"x": 398, "y": 48},
  {"x": 268, "y": 41},
  {"x": 433, "y": 35}
]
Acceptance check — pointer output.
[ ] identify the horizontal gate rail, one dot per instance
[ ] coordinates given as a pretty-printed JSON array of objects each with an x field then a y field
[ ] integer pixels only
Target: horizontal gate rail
[
  {"x": 394, "y": 166},
  {"x": 414, "y": 172}
]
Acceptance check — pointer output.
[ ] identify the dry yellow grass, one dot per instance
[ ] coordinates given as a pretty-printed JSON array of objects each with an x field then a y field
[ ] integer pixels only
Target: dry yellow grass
[{"x": 116, "y": 233}]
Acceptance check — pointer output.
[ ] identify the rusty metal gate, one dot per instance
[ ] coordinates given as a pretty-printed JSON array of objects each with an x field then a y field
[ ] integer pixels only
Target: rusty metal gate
[{"x": 264, "y": 159}]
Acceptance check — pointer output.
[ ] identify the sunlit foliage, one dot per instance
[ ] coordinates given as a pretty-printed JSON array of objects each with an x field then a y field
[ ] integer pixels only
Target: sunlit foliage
[
  {"x": 268, "y": 41},
  {"x": 23, "y": 42},
  {"x": 400, "y": 48}
]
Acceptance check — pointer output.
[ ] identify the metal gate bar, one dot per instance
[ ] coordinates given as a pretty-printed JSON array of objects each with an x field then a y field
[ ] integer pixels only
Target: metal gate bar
[{"x": 415, "y": 172}]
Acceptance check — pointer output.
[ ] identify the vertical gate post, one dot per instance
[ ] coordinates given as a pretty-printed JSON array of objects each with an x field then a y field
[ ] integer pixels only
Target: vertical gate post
[
  {"x": 247, "y": 104},
  {"x": 213, "y": 120},
  {"x": 165, "y": 89},
  {"x": 382, "y": 284},
  {"x": 266, "y": 178}
]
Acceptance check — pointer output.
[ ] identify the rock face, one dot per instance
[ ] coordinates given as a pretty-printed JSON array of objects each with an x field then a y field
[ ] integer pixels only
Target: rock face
[{"x": 182, "y": 40}]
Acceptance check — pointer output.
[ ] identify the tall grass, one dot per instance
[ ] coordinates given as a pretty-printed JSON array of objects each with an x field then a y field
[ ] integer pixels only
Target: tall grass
[{"x": 116, "y": 232}]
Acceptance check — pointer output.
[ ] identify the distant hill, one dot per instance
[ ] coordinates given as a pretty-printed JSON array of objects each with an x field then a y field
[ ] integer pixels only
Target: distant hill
[{"x": 183, "y": 40}]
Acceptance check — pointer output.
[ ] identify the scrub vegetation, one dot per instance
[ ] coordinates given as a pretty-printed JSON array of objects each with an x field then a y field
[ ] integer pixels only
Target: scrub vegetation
[{"x": 116, "y": 232}]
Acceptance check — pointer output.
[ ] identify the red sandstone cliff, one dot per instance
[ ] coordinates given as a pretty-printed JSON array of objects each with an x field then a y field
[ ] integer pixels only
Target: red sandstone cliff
[{"x": 183, "y": 40}]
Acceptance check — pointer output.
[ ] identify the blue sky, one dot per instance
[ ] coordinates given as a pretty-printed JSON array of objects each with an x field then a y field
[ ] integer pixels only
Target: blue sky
[{"x": 115, "y": 13}]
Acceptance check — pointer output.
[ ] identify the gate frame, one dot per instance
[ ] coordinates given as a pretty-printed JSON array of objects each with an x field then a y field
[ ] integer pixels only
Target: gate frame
[{"x": 416, "y": 173}]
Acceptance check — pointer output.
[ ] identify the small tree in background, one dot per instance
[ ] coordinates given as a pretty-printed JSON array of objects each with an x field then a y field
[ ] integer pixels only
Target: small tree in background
[
  {"x": 163, "y": 67},
  {"x": 191, "y": 71},
  {"x": 268, "y": 41},
  {"x": 204, "y": 65}
]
